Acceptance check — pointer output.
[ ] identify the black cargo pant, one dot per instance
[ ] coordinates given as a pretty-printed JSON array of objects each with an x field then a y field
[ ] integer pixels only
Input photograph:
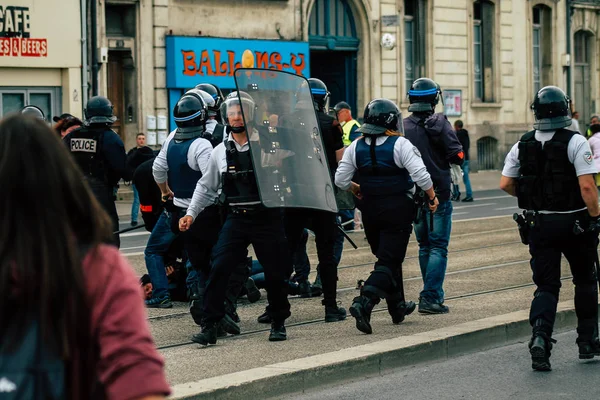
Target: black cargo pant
[
  {"x": 388, "y": 225},
  {"x": 553, "y": 235},
  {"x": 264, "y": 230},
  {"x": 324, "y": 226},
  {"x": 105, "y": 196}
]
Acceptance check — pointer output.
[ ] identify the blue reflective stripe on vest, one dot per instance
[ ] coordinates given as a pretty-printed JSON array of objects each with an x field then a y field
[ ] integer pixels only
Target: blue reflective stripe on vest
[
  {"x": 385, "y": 179},
  {"x": 182, "y": 178}
]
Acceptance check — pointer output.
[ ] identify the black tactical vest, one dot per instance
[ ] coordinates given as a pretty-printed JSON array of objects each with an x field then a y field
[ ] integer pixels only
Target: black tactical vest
[
  {"x": 86, "y": 146},
  {"x": 239, "y": 182},
  {"x": 548, "y": 180}
]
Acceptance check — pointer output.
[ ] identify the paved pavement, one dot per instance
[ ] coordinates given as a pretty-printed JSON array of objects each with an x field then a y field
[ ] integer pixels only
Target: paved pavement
[{"x": 501, "y": 373}]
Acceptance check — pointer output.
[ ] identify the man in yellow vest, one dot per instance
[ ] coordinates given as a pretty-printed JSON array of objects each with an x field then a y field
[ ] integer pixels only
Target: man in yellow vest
[{"x": 349, "y": 124}]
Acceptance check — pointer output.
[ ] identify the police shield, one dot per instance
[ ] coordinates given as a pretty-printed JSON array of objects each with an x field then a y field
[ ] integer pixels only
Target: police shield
[{"x": 289, "y": 159}]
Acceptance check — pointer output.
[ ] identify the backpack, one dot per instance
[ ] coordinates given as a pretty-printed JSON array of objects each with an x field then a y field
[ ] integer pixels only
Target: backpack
[{"x": 31, "y": 372}]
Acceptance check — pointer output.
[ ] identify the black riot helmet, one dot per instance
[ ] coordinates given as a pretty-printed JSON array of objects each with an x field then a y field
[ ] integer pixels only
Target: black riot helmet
[
  {"x": 33, "y": 111},
  {"x": 217, "y": 95},
  {"x": 319, "y": 93},
  {"x": 424, "y": 95},
  {"x": 380, "y": 116},
  {"x": 207, "y": 98},
  {"x": 99, "y": 110},
  {"x": 190, "y": 115},
  {"x": 551, "y": 108}
]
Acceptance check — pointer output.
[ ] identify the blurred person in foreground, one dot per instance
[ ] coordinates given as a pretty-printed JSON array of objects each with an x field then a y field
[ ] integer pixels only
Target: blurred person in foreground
[{"x": 72, "y": 320}]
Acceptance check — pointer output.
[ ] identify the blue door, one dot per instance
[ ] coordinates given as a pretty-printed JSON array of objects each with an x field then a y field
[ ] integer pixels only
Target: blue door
[{"x": 334, "y": 45}]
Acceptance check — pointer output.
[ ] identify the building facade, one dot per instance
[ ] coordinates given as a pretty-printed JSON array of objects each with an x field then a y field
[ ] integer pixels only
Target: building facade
[
  {"x": 489, "y": 56},
  {"x": 40, "y": 56}
]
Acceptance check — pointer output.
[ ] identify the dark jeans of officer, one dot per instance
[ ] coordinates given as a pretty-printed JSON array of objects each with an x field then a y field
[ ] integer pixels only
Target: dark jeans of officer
[
  {"x": 104, "y": 195},
  {"x": 264, "y": 230},
  {"x": 388, "y": 225},
  {"x": 323, "y": 224},
  {"x": 552, "y": 236}
]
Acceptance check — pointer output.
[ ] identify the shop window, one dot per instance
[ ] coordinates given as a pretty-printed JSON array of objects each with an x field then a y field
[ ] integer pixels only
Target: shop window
[
  {"x": 14, "y": 99},
  {"x": 542, "y": 46},
  {"x": 483, "y": 50},
  {"x": 414, "y": 40}
]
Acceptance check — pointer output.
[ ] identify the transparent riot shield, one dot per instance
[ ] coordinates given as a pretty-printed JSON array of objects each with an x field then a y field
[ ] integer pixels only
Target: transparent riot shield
[{"x": 290, "y": 163}]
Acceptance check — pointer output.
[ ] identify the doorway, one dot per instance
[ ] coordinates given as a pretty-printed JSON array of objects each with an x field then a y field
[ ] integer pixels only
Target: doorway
[
  {"x": 115, "y": 89},
  {"x": 334, "y": 45}
]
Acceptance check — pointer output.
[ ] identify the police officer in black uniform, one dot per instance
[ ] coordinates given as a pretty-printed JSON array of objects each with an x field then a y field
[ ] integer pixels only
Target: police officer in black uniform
[
  {"x": 388, "y": 167},
  {"x": 33, "y": 111},
  {"x": 322, "y": 223},
  {"x": 551, "y": 172},
  {"x": 100, "y": 154},
  {"x": 231, "y": 173}
]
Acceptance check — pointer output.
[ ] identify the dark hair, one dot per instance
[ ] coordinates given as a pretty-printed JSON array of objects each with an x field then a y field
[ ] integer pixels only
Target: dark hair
[
  {"x": 49, "y": 218},
  {"x": 595, "y": 128},
  {"x": 67, "y": 122},
  {"x": 458, "y": 124},
  {"x": 140, "y": 134}
]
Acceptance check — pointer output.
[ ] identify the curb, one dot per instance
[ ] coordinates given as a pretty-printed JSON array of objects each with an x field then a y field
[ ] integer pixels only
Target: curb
[{"x": 370, "y": 360}]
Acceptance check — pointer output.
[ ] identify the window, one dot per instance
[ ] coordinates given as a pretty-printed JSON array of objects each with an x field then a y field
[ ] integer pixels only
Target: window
[
  {"x": 542, "y": 46},
  {"x": 483, "y": 50},
  {"x": 14, "y": 99},
  {"x": 414, "y": 40}
]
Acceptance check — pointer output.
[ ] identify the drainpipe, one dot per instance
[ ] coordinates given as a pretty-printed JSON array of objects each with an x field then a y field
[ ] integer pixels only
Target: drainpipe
[
  {"x": 94, "y": 44},
  {"x": 84, "y": 54},
  {"x": 568, "y": 6}
]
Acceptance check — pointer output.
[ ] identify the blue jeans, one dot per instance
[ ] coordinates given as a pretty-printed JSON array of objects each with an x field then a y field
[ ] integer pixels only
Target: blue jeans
[
  {"x": 347, "y": 215},
  {"x": 466, "y": 180},
  {"x": 433, "y": 251},
  {"x": 135, "y": 206},
  {"x": 158, "y": 243},
  {"x": 338, "y": 246}
]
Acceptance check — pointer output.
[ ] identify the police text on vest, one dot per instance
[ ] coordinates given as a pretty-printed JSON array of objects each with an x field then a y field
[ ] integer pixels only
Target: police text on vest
[{"x": 85, "y": 145}]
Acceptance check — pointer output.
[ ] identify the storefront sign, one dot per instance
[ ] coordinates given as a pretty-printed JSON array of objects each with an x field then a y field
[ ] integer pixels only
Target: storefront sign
[
  {"x": 191, "y": 60},
  {"x": 15, "y": 34},
  {"x": 452, "y": 103}
]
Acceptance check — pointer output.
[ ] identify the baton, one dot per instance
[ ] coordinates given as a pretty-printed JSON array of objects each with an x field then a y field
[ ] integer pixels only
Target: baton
[
  {"x": 133, "y": 228},
  {"x": 346, "y": 236}
]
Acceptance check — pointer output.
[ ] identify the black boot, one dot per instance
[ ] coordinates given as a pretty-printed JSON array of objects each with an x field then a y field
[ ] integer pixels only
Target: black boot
[
  {"x": 361, "y": 310},
  {"x": 196, "y": 306},
  {"x": 587, "y": 340},
  {"x": 207, "y": 336},
  {"x": 399, "y": 309},
  {"x": 305, "y": 289},
  {"x": 333, "y": 313},
  {"x": 230, "y": 326},
  {"x": 252, "y": 292},
  {"x": 539, "y": 348},
  {"x": 278, "y": 332},
  {"x": 264, "y": 318}
]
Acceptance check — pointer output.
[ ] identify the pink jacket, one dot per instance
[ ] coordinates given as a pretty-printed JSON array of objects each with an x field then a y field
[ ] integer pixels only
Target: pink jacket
[{"x": 129, "y": 366}]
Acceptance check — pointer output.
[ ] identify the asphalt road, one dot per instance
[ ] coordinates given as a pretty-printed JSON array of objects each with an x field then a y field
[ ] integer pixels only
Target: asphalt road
[
  {"x": 488, "y": 203},
  {"x": 502, "y": 373}
]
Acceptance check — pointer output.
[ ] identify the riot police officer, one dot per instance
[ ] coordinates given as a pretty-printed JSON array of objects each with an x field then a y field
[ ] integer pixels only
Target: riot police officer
[
  {"x": 387, "y": 165},
  {"x": 213, "y": 125},
  {"x": 34, "y": 111},
  {"x": 439, "y": 146},
  {"x": 322, "y": 223},
  {"x": 100, "y": 154},
  {"x": 551, "y": 172},
  {"x": 182, "y": 161},
  {"x": 230, "y": 172}
]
